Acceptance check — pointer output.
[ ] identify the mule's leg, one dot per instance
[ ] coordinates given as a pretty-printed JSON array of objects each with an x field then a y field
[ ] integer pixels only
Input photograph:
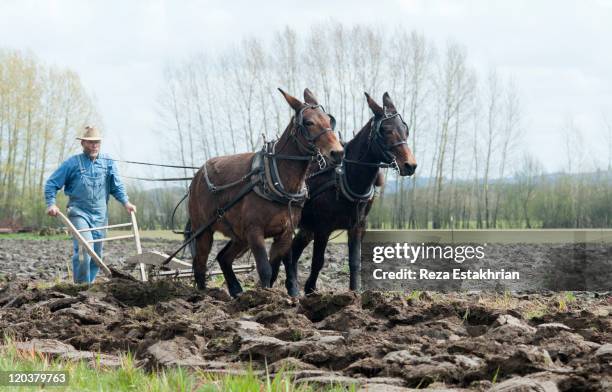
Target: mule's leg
[
  {"x": 257, "y": 244},
  {"x": 226, "y": 257},
  {"x": 296, "y": 248},
  {"x": 275, "y": 258},
  {"x": 318, "y": 259},
  {"x": 203, "y": 245},
  {"x": 291, "y": 261},
  {"x": 278, "y": 250},
  {"x": 355, "y": 235}
]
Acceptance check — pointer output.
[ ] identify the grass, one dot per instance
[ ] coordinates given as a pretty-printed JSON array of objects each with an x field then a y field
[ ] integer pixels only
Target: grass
[
  {"x": 129, "y": 377},
  {"x": 565, "y": 300},
  {"x": 536, "y": 311},
  {"x": 499, "y": 301},
  {"x": 495, "y": 376},
  {"x": 533, "y": 308},
  {"x": 414, "y": 295}
]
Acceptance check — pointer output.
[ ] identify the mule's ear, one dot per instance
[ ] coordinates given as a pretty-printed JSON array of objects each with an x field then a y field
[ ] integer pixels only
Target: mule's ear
[
  {"x": 309, "y": 97},
  {"x": 374, "y": 106},
  {"x": 292, "y": 101},
  {"x": 388, "y": 104}
]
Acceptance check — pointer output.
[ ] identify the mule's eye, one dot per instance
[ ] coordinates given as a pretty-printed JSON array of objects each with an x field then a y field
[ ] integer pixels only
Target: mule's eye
[{"x": 309, "y": 123}]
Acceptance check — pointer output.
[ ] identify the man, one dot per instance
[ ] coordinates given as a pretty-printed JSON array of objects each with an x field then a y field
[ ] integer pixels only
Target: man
[{"x": 88, "y": 179}]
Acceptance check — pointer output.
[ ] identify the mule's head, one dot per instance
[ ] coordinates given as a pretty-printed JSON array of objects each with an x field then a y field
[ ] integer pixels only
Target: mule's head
[
  {"x": 313, "y": 128},
  {"x": 389, "y": 136}
]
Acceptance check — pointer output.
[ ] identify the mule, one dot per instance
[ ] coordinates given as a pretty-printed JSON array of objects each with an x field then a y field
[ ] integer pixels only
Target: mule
[
  {"x": 341, "y": 198},
  {"x": 270, "y": 204}
]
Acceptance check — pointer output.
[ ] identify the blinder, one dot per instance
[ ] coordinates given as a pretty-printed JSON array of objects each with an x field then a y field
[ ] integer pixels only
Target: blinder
[
  {"x": 385, "y": 149},
  {"x": 332, "y": 121},
  {"x": 299, "y": 125}
]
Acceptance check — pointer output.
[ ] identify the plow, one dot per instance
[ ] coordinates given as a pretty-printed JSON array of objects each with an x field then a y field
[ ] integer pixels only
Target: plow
[{"x": 148, "y": 265}]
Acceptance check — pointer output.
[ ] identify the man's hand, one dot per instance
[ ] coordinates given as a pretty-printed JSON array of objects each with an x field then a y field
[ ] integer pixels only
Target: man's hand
[
  {"x": 52, "y": 210},
  {"x": 130, "y": 207}
]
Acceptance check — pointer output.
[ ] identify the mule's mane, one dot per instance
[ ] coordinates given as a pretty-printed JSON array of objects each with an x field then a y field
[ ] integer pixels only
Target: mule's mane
[
  {"x": 358, "y": 142},
  {"x": 284, "y": 137}
]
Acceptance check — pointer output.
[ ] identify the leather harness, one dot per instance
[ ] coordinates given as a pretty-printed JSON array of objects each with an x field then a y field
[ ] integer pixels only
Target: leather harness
[
  {"x": 339, "y": 179},
  {"x": 264, "y": 177}
]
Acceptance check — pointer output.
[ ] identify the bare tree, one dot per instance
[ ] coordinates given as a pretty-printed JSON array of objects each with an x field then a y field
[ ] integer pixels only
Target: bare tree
[
  {"x": 41, "y": 109},
  {"x": 451, "y": 92},
  {"x": 527, "y": 177},
  {"x": 491, "y": 135},
  {"x": 511, "y": 135}
]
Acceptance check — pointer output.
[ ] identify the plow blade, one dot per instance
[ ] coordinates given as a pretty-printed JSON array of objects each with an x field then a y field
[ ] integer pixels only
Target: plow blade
[
  {"x": 156, "y": 259},
  {"x": 176, "y": 268}
]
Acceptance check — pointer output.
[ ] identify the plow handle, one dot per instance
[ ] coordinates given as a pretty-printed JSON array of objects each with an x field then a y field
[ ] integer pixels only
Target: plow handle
[{"x": 85, "y": 244}]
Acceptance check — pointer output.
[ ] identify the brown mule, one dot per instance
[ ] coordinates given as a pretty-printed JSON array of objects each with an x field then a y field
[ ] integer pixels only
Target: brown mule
[
  {"x": 276, "y": 177},
  {"x": 341, "y": 198}
]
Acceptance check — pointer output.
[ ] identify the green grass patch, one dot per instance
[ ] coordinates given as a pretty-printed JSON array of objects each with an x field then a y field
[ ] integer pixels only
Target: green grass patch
[{"x": 129, "y": 377}]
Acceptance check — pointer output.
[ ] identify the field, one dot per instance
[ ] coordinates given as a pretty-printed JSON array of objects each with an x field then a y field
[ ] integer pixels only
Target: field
[{"x": 333, "y": 339}]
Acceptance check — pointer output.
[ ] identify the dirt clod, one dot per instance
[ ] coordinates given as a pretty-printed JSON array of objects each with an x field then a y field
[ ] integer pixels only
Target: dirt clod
[{"x": 375, "y": 341}]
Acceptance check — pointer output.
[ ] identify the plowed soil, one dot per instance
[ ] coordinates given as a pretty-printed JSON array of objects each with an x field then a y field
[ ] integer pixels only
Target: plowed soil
[{"x": 377, "y": 341}]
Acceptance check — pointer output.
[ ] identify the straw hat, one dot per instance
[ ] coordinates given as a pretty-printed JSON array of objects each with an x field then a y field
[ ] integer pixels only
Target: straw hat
[{"x": 91, "y": 134}]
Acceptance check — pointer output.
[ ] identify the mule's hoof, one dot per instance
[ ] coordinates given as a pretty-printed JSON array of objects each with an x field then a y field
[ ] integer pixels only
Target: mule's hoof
[
  {"x": 293, "y": 292},
  {"x": 236, "y": 293},
  {"x": 310, "y": 291},
  {"x": 201, "y": 286}
]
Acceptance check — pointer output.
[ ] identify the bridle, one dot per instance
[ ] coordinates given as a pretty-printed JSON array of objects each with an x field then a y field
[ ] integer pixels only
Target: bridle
[
  {"x": 300, "y": 130},
  {"x": 273, "y": 188},
  {"x": 376, "y": 140}
]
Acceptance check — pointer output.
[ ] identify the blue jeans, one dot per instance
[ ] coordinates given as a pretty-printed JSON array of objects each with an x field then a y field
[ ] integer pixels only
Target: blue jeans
[{"x": 84, "y": 269}]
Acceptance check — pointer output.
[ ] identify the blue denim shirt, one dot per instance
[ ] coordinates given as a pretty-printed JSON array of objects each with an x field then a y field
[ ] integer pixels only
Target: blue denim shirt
[{"x": 68, "y": 174}]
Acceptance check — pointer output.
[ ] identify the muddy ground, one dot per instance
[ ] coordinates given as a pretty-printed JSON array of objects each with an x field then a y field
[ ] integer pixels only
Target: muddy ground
[
  {"x": 464, "y": 341},
  {"x": 51, "y": 259}
]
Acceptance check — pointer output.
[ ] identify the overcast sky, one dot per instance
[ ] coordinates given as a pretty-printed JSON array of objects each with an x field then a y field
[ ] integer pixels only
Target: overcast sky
[{"x": 557, "y": 51}]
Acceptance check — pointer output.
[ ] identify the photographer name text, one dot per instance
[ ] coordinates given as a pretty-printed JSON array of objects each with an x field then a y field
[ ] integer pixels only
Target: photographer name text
[{"x": 410, "y": 254}]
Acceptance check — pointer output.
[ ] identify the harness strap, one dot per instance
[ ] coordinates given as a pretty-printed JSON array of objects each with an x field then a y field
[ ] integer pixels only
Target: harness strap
[
  {"x": 318, "y": 173},
  {"x": 368, "y": 164},
  {"x": 274, "y": 184},
  {"x": 220, "y": 212},
  {"x": 273, "y": 188},
  {"x": 322, "y": 188},
  {"x": 217, "y": 188},
  {"x": 349, "y": 193},
  {"x": 340, "y": 182},
  {"x": 289, "y": 157}
]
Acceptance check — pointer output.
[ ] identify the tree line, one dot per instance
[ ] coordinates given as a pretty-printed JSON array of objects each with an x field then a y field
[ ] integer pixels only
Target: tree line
[
  {"x": 466, "y": 127},
  {"x": 41, "y": 110}
]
